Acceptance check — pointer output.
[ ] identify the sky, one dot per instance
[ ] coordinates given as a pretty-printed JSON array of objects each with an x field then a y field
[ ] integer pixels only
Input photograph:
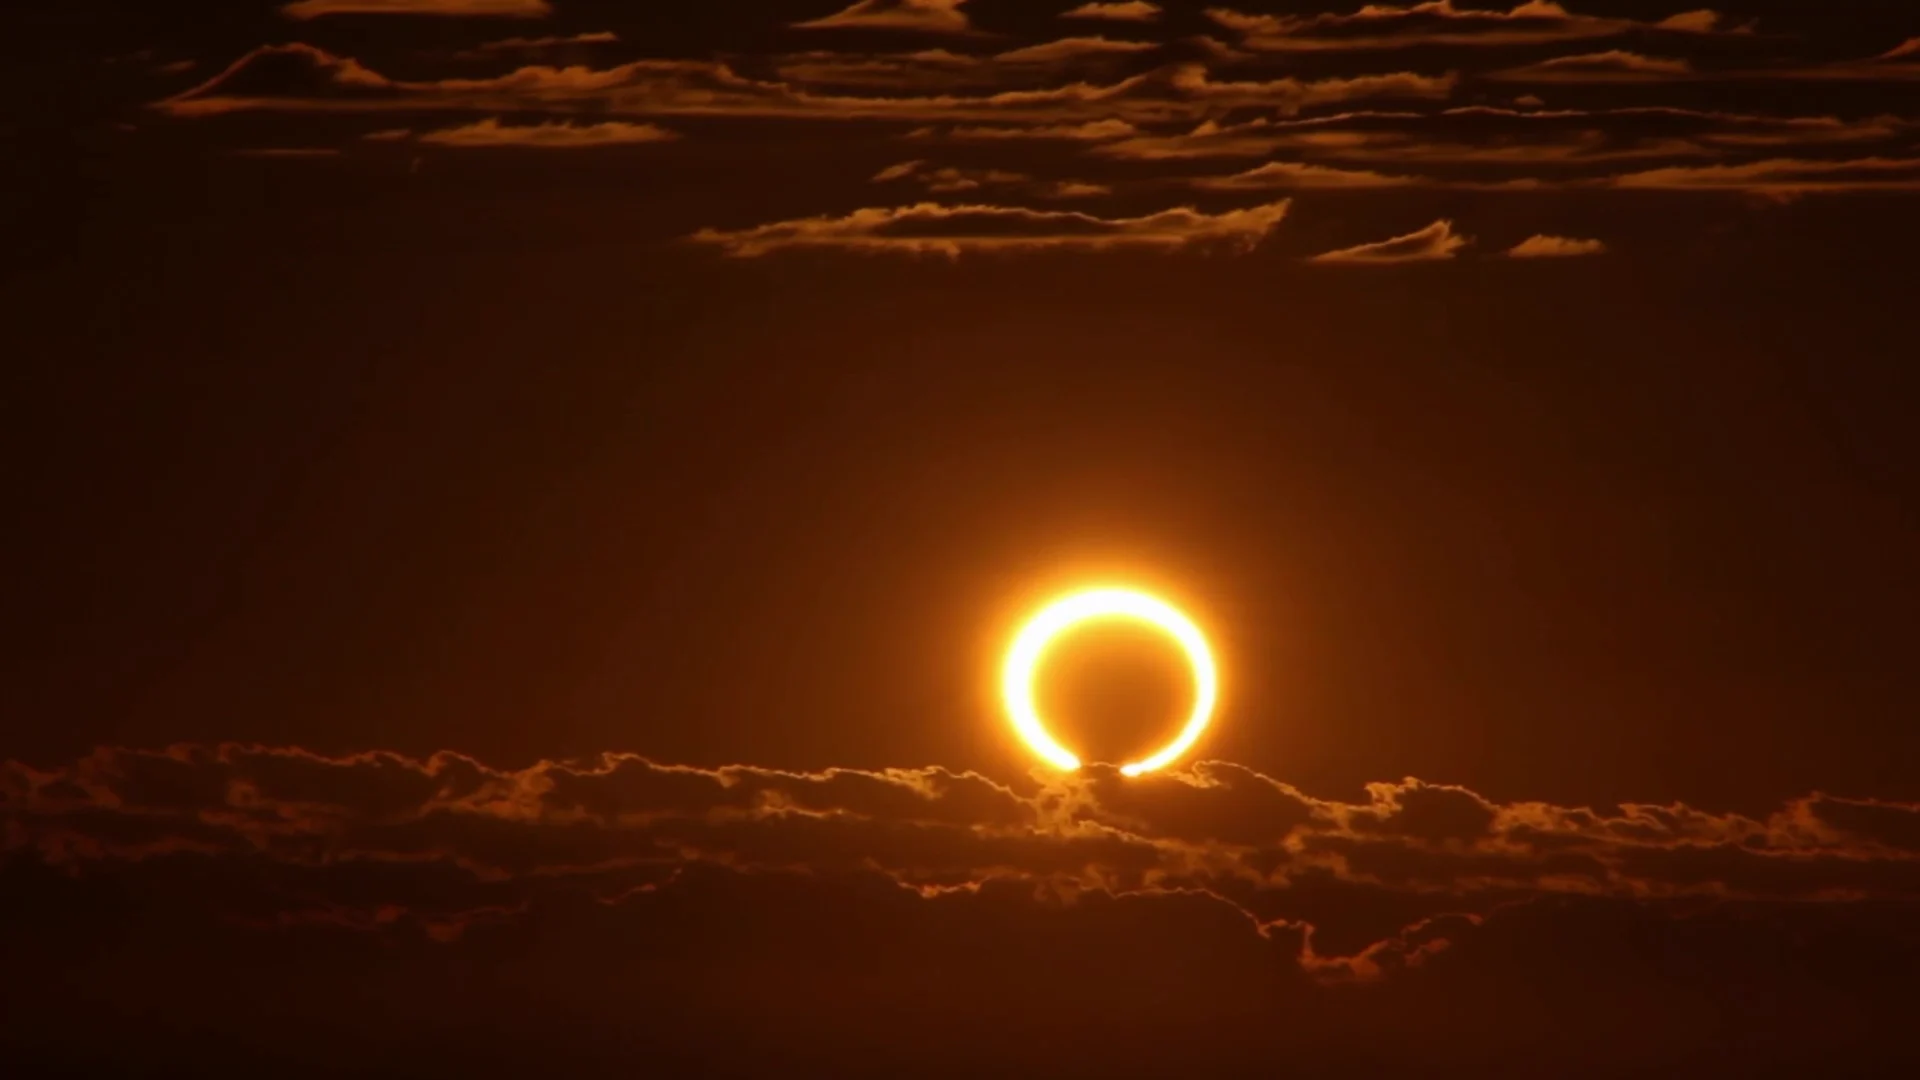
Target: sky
[{"x": 518, "y": 506}]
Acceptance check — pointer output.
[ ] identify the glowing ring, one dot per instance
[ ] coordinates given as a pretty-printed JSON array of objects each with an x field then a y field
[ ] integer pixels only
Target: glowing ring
[{"x": 1030, "y": 646}]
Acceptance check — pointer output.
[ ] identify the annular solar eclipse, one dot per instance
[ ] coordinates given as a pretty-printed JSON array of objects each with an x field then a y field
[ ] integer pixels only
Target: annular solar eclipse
[{"x": 1061, "y": 616}]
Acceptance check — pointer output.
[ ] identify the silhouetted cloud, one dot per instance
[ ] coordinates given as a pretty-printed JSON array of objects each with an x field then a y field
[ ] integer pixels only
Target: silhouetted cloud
[
  {"x": 933, "y": 16},
  {"x": 928, "y": 228},
  {"x": 1543, "y": 246},
  {"x": 463, "y": 838},
  {"x": 1118, "y": 10},
  {"x": 1436, "y": 241},
  {"x": 518, "y": 9}
]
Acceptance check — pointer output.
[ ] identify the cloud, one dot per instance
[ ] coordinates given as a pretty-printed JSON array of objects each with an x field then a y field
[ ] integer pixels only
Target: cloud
[
  {"x": 302, "y": 78},
  {"x": 934, "y": 69},
  {"x": 537, "y": 44},
  {"x": 550, "y": 135},
  {"x": 897, "y": 172},
  {"x": 1782, "y": 178},
  {"x": 1554, "y": 247},
  {"x": 1072, "y": 48},
  {"x": 929, "y": 228},
  {"x": 1898, "y": 64},
  {"x": 1614, "y": 65},
  {"x": 1209, "y": 138},
  {"x": 1298, "y": 175},
  {"x": 1214, "y": 823},
  {"x": 1436, "y": 241},
  {"x": 1219, "y": 52},
  {"x": 951, "y": 180},
  {"x": 930, "y": 16},
  {"x": 948, "y": 180},
  {"x": 1091, "y": 131},
  {"x": 287, "y": 152},
  {"x": 517, "y": 9},
  {"x": 398, "y": 854},
  {"x": 1120, "y": 11},
  {"x": 924, "y": 69},
  {"x": 1072, "y": 189},
  {"x": 1290, "y": 95},
  {"x": 1494, "y": 138},
  {"x": 1440, "y": 23}
]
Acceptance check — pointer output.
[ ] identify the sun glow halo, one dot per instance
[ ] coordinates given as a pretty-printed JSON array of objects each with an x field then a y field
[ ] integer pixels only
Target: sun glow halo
[{"x": 1040, "y": 632}]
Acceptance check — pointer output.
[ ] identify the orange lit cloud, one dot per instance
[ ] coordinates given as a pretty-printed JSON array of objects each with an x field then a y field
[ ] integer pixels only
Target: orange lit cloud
[
  {"x": 1117, "y": 10},
  {"x": 1091, "y": 131},
  {"x": 935, "y": 69},
  {"x": 949, "y": 180},
  {"x": 538, "y": 44},
  {"x": 550, "y": 135},
  {"x": 1782, "y": 178},
  {"x": 1291, "y": 175},
  {"x": 1435, "y": 242},
  {"x": 1614, "y": 65},
  {"x": 933, "y": 16},
  {"x": 518, "y": 9},
  {"x": 1440, "y": 23},
  {"x": 1898, "y": 64},
  {"x": 302, "y": 78},
  {"x": 928, "y": 228},
  {"x": 1492, "y": 136},
  {"x": 1290, "y": 94},
  {"x": 1071, "y": 48},
  {"x": 1554, "y": 247}
]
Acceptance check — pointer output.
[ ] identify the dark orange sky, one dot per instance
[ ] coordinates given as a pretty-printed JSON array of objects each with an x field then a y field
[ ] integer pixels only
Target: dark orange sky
[{"x": 517, "y": 506}]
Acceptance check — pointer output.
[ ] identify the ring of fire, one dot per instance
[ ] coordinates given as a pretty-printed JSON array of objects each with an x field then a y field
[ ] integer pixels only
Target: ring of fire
[{"x": 1030, "y": 646}]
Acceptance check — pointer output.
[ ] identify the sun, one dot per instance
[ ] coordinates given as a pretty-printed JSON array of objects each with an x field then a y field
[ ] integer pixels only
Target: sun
[{"x": 1044, "y": 628}]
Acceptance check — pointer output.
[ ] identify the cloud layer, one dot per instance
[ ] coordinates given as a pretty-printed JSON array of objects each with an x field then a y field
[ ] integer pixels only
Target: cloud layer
[
  {"x": 932, "y": 228},
  {"x": 1436, "y": 242},
  {"x": 1123, "y": 102},
  {"x": 1351, "y": 885}
]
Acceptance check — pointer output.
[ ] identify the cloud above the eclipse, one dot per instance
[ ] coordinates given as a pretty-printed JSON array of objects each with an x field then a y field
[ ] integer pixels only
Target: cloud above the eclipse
[
  {"x": 953, "y": 230},
  {"x": 516, "y": 9},
  {"x": 933, "y": 16},
  {"x": 1122, "y": 111},
  {"x": 1541, "y": 246},
  {"x": 1437, "y": 241}
]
